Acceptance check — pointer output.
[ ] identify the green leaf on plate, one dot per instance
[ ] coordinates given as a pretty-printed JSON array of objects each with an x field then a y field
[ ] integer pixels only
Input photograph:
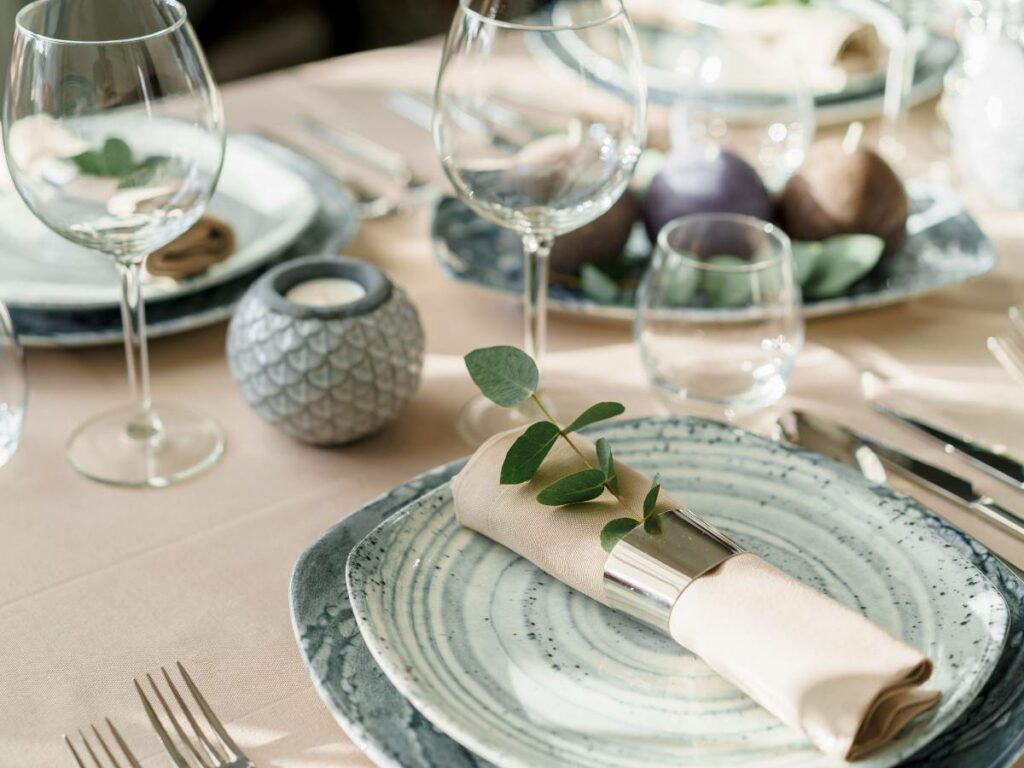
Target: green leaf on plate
[
  {"x": 607, "y": 463},
  {"x": 505, "y": 375},
  {"x": 615, "y": 529},
  {"x": 595, "y": 413},
  {"x": 117, "y": 157},
  {"x": 597, "y": 285},
  {"x": 528, "y": 452},
  {"x": 730, "y": 287},
  {"x": 845, "y": 260},
  {"x": 574, "y": 488},
  {"x": 805, "y": 257},
  {"x": 90, "y": 163},
  {"x": 679, "y": 282},
  {"x": 651, "y": 499},
  {"x": 652, "y": 525}
]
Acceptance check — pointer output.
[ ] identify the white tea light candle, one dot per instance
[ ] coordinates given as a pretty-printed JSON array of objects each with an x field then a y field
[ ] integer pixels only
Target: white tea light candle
[{"x": 326, "y": 292}]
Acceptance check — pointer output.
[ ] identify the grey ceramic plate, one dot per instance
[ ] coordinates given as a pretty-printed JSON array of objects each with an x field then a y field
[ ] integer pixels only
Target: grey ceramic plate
[
  {"x": 944, "y": 246},
  {"x": 660, "y": 45},
  {"x": 335, "y": 222},
  {"x": 989, "y": 733}
]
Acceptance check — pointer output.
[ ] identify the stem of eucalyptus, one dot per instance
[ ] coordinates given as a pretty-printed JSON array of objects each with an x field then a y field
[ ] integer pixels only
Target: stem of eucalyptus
[{"x": 583, "y": 458}]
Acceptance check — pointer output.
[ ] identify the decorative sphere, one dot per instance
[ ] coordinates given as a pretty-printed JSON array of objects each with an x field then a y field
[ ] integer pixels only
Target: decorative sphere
[{"x": 326, "y": 374}]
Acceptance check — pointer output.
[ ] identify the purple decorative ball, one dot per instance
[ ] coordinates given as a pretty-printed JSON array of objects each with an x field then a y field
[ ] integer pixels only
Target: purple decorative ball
[{"x": 699, "y": 182}]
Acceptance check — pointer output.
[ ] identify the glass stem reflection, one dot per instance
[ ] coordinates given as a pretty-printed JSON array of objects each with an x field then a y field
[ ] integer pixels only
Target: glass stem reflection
[
  {"x": 536, "y": 253},
  {"x": 145, "y": 425}
]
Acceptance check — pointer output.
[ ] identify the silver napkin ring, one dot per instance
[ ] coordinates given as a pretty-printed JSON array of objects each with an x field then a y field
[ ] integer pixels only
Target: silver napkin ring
[{"x": 644, "y": 574}]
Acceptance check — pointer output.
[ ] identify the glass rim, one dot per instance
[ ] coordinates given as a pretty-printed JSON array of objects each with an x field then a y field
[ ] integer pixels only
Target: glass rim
[
  {"x": 464, "y": 7},
  {"x": 769, "y": 229},
  {"x": 180, "y": 18}
]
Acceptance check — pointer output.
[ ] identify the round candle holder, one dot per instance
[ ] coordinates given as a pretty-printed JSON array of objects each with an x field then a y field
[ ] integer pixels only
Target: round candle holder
[{"x": 326, "y": 374}]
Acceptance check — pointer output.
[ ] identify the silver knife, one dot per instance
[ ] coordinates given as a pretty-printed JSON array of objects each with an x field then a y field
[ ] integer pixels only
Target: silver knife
[
  {"x": 992, "y": 460},
  {"x": 873, "y": 458}
]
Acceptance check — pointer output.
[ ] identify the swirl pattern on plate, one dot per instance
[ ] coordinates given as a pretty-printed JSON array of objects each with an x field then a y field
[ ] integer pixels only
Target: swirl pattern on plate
[{"x": 526, "y": 672}]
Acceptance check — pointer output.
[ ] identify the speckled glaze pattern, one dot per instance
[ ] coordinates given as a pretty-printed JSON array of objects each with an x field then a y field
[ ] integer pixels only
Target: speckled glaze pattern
[
  {"x": 944, "y": 246},
  {"x": 989, "y": 733}
]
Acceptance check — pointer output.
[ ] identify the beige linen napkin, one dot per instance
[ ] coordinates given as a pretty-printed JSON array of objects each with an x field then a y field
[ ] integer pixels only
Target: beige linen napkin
[
  {"x": 819, "y": 667},
  {"x": 207, "y": 242}
]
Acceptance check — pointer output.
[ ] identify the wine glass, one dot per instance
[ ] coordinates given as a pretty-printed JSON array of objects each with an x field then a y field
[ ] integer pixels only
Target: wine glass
[
  {"x": 114, "y": 135},
  {"x": 719, "y": 321},
  {"x": 535, "y": 146}
]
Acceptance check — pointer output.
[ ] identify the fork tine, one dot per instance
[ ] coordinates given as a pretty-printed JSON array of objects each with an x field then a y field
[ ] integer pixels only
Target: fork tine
[
  {"x": 88, "y": 749},
  {"x": 214, "y": 752},
  {"x": 208, "y": 712},
  {"x": 113, "y": 760},
  {"x": 1008, "y": 356},
  {"x": 124, "y": 746},
  {"x": 177, "y": 726},
  {"x": 74, "y": 752},
  {"x": 165, "y": 739},
  {"x": 1017, "y": 318}
]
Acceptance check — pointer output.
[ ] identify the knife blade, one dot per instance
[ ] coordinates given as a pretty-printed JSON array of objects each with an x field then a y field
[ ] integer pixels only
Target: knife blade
[
  {"x": 873, "y": 458},
  {"x": 992, "y": 460}
]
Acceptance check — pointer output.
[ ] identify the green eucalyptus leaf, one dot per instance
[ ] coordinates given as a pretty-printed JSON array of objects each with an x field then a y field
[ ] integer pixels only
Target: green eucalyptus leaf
[
  {"x": 597, "y": 285},
  {"x": 528, "y": 452},
  {"x": 615, "y": 529},
  {"x": 651, "y": 499},
  {"x": 117, "y": 157},
  {"x": 572, "y": 489},
  {"x": 595, "y": 413},
  {"x": 607, "y": 464},
  {"x": 679, "y": 283},
  {"x": 805, "y": 257},
  {"x": 90, "y": 163},
  {"x": 652, "y": 525},
  {"x": 845, "y": 260},
  {"x": 727, "y": 288},
  {"x": 505, "y": 375}
]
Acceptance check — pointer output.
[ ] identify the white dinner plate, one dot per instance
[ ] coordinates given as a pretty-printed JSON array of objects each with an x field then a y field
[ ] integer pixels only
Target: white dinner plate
[
  {"x": 266, "y": 203},
  {"x": 528, "y": 673}
]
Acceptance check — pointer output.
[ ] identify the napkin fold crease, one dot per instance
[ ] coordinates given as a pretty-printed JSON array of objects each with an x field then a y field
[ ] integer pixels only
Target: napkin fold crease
[{"x": 819, "y": 667}]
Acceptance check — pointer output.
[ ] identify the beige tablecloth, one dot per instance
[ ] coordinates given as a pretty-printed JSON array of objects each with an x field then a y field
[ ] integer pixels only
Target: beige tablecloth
[{"x": 98, "y": 585}]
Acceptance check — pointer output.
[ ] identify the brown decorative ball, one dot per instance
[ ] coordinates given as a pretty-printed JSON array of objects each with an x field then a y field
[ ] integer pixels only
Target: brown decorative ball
[
  {"x": 600, "y": 242},
  {"x": 841, "y": 193}
]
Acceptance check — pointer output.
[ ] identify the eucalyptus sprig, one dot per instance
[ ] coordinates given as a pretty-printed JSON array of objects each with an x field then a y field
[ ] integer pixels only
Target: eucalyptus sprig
[{"x": 509, "y": 377}]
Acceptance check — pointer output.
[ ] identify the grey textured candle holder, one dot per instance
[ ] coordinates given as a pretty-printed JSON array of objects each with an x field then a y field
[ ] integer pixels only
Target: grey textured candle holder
[{"x": 326, "y": 374}]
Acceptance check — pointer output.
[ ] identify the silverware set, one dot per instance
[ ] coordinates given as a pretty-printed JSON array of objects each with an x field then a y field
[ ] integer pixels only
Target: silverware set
[
  {"x": 192, "y": 741},
  {"x": 1008, "y": 348}
]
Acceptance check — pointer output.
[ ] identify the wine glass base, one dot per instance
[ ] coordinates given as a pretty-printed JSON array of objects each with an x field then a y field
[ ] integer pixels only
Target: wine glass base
[
  {"x": 481, "y": 419},
  {"x": 123, "y": 447}
]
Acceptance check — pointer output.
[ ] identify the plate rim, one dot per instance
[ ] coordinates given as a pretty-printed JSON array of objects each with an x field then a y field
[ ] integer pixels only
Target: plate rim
[{"x": 413, "y": 695}]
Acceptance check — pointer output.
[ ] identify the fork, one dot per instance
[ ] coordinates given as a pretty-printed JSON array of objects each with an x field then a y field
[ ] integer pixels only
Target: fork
[
  {"x": 225, "y": 753},
  {"x": 1009, "y": 350},
  {"x": 132, "y": 762}
]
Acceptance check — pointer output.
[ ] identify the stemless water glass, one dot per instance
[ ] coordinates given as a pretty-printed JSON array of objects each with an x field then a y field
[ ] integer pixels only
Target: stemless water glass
[
  {"x": 13, "y": 388},
  {"x": 719, "y": 321},
  {"x": 534, "y": 145},
  {"x": 114, "y": 135}
]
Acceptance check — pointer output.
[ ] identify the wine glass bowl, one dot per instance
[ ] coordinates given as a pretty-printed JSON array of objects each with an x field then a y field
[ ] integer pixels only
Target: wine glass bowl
[
  {"x": 114, "y": 136},
  {"x": 534, "y": 146}
]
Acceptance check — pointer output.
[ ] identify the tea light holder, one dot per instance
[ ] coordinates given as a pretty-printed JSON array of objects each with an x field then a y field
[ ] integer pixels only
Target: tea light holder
[{"x": 326, "y": 348}]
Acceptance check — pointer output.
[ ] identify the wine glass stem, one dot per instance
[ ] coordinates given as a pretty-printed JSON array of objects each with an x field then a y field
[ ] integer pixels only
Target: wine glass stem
[
  {"x": 144, "y": 425},
  {"x": 536, "y": 252},
  {"x": 899, "y": 83}
]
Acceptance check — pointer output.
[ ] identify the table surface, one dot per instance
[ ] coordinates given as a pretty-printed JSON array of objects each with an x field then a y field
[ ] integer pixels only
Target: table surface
[{"x": 99, "y": 585}]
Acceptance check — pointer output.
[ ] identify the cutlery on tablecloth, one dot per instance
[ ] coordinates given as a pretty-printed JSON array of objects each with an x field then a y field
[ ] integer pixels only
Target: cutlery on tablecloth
[
  {"x": 505, "y": 124},
  {"x": 377, "y": 156},
  {"x": 1008, "y": 350},
  {"x": 991, "y": 459},
  {"x": 873, "y": 458},
  {"x": 103, "y": 747},
  {"x": 220, "y": 751}
]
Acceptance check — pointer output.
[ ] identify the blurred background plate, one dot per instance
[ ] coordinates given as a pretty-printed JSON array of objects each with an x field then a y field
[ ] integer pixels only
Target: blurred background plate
[
  {"x": 265, "y": 202},
  {"x": 944, "y": 246},
  {"x": 860, "y": 97},
  {"x": 334, "y": 221}
]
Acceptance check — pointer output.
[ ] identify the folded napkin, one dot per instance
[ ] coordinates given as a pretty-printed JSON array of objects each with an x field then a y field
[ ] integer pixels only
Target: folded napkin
[
  {"x": 819, "y": 667},
  {"x": 209, "y": 241}
]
